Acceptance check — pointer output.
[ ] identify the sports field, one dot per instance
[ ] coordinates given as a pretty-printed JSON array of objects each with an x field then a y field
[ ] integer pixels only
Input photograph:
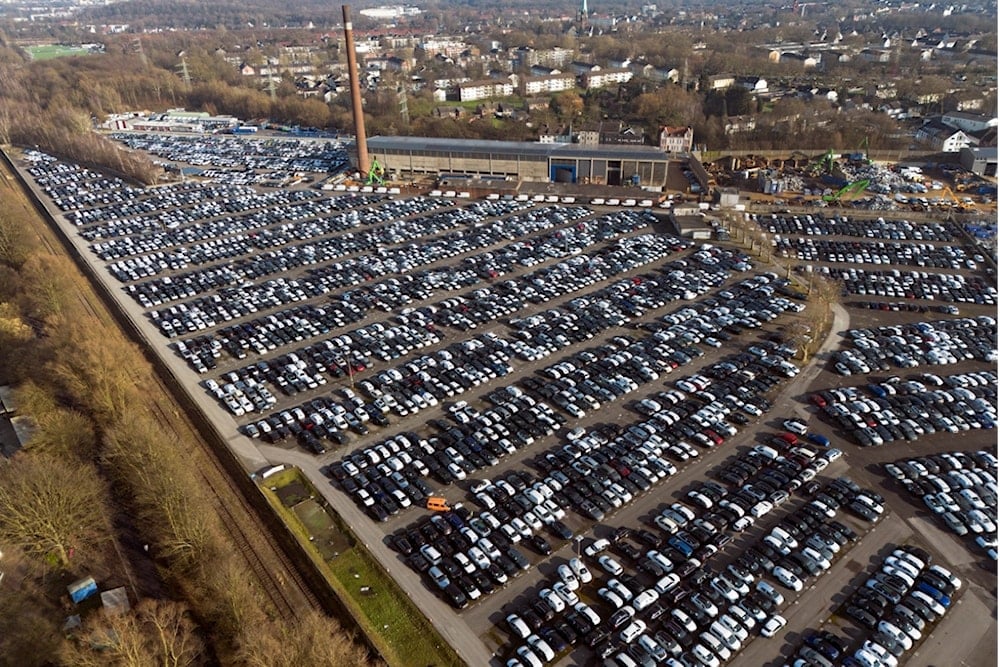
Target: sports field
[{"x": 47, "y": 51}]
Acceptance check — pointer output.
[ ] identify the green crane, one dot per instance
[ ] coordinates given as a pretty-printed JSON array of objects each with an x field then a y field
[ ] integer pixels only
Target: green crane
[
  {"x": 376, "y": 175},
  {"x": 851, "y": 188}
]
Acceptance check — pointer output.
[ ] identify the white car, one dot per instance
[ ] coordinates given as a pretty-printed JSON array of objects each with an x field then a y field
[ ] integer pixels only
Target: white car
[
  {"x": 787, "y": 578},
  {"x": 773, "y": 625},
  {"x": 568, "y": 577},
  {"x": 594, "y": 547},
  {"x": 581, "y": 571},
  {"x": 610, "y": 565},
  {"x": 541, "y": 647},
  {"x": 795, "y": 426},
  {"x": 566, "y": 593},
  {"x": 518, "y": 626},
  {"x": 552, "y": 599}
]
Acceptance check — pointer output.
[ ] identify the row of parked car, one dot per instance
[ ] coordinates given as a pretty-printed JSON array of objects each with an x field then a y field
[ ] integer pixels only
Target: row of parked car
[
  {"x": 905, "y": 307},
  {"x": 258, "y": 244},
  {"x": 959, "y": 488},
  {"x": 840, "y": 225},
  {"x": 242, "y": 153},
  {"x": 895, "y": 284},
  {"x": 916, "y": 344},
  {"x": 343, "y": 263},
  {"x": 449, "y": 373},
  {"x": 898, "y": 604},
  {"x": 704, "y": 617},
  {"x": 349, "y": 306},
  {"x": 898, "y": 409},
  {"x": 874, "y": 252},
  {"x": 390, "y": 291}
]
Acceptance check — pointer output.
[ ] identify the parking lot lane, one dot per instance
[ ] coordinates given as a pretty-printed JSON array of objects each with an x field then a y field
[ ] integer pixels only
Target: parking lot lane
[
  {"x": 966, "y": 636},
  {"x": 814, "y": 605},
  {"x": 953, "y": 550},
  {"x": 457, "y": 633}
]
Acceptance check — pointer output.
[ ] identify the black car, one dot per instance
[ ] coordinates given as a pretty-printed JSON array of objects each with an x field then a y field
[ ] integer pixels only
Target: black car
[
  {"x": 456, "y": 597},
  {"x": 598, "y": 636},
  {"x": 861, "y": 616},
  {"x": 818, "y": 641},
  {"x": 539, "y": 544}
]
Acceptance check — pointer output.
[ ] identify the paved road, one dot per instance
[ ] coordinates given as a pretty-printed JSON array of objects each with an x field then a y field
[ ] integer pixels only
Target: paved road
[{"x": 455, "y": 631}]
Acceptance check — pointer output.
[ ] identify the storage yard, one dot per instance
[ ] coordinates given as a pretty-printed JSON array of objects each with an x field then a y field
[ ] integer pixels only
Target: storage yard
[{"x": 632, "y": 462}]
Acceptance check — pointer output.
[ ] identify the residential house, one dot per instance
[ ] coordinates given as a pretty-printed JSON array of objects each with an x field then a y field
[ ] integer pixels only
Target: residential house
[
  {"x": 446, "y": 47},
  {"x": 941, "y": 137},
  {"x": 676, "y": 139},
  {"x": 542, "y": 70},
  {"x": 969, "y": 122},
  {"x": 553, "y": 83},
  {"x": 875, "y": 55},
  {"x": 755, "y": 84},
  {"x": 589, "y": 134},
  {"x": 607, "y": 77},
  {"x": 721, "y": 81},
  {"x": 485, "y": 89},
  {"x": 807, "y": 61},
  {"x": 617, "y": 133},
  {"x": 661, "y": 74},
  {"x": 580, "y": 68},
  {"x": 397, "y": 64},
  {"x": 739, "y": 124}
]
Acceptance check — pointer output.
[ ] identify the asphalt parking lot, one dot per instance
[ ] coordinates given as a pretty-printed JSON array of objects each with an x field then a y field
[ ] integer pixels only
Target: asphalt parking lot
[{"x": 399, "y": 348}]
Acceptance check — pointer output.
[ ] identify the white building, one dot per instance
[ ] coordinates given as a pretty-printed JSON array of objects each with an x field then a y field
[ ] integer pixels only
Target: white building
[
  {"x": 968, "y": 122},
  {"x": 552, "y": 83},
  {"x": 606, "y": 77},
  {"x": 485, "y": 89}
]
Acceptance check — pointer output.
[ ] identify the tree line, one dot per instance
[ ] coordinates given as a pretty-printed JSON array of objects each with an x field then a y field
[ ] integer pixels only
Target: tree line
[{"x": 99, "y": 464}]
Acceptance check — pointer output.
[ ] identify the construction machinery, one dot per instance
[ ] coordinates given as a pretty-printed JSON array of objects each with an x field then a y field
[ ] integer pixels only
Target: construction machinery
[
  {"x": 376, "y": 174},
  {"x": 959, "y": 204},
  {"x": 851, "y": 188},
  {"x": 824, "y": 165}
]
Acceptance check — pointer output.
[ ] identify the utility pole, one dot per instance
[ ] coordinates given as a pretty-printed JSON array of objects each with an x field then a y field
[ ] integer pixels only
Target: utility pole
[
  {"x": 142, "y": 54},
  {"x": 185, "y": 74},
  {"x": 404, "y": 110}
]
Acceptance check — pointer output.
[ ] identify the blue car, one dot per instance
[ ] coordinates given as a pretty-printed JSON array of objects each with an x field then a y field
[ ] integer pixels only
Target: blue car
[
  {"x": 942, "y": 599},
  {"x": 818, "y": 439}
]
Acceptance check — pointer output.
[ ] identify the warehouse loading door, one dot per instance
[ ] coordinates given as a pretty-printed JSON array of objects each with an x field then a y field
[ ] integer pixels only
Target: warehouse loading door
[
  {"x": 614, "y": 172},
  {"x": 563, "y": 173}
]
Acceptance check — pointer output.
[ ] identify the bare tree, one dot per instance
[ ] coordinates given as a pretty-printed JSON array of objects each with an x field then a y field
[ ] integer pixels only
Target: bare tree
[
  {"x": 314, "y": 640},
  {"x": 156, "y": 633},
  {"x": 13, "y": 240},
  {"x": 98, "y": 371},
  {"x": 52, "y": 507},
  {"x": 161, "y": 487},
  {"x": 29, "y": 624}
]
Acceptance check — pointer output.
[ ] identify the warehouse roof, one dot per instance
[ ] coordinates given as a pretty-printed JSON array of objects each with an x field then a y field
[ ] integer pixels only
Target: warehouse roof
[{"x": 525, "y": 148}]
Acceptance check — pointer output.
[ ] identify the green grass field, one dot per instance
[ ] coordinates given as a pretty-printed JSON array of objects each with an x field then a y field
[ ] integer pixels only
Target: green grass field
[
  {"x": 402, "y": 634},
  {"x": 49, "y": 51}
]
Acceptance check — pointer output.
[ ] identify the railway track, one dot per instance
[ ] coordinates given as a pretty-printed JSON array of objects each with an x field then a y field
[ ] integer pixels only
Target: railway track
[{"x": 277, "y": 575}]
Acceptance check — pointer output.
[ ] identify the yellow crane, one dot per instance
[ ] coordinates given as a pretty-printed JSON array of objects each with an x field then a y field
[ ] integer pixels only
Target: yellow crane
[{"x": 959, "y": 204}]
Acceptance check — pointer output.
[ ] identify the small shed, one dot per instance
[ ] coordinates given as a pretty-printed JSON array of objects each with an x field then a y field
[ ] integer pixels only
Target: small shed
[
  {"x": 82, "y": 589},
  {"x": 115, "y": 601}
]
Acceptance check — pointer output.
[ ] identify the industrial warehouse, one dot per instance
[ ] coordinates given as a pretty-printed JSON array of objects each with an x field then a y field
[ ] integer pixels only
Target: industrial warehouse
[{"x": 637, "y": 166}]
